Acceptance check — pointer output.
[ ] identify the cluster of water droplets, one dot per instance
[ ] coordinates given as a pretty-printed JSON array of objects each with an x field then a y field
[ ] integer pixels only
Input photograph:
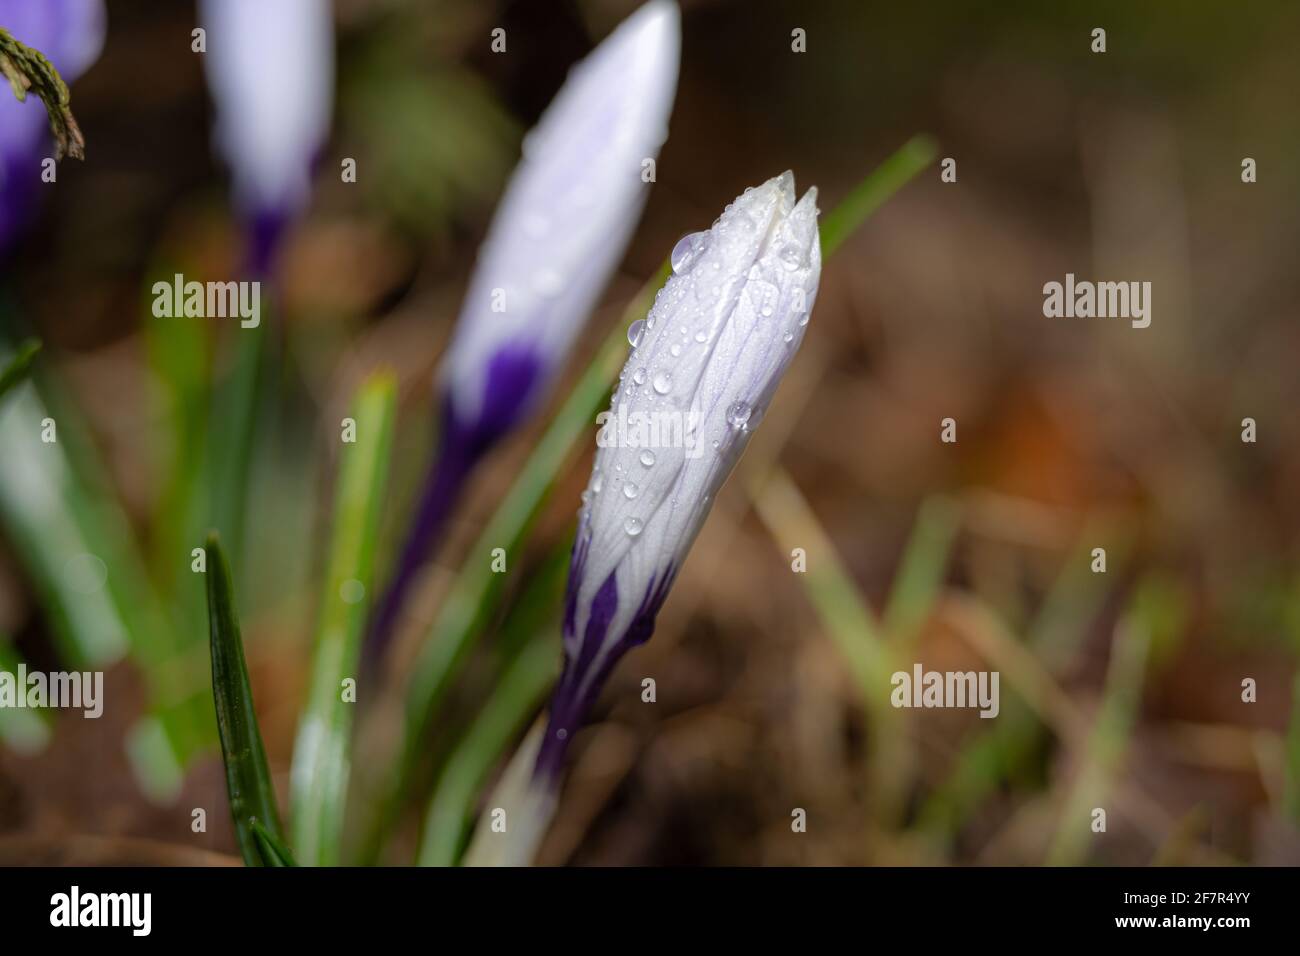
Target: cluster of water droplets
[{"x": 762, "y": 285}]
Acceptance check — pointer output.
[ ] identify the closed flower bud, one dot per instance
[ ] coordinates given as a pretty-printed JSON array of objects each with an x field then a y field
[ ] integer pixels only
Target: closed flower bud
[
  {"x": 702, "y": 372},
  {"x": 270, "y": 67},
  {"x": 555, "y": 240},
  {"x": 563, "y": 224}
]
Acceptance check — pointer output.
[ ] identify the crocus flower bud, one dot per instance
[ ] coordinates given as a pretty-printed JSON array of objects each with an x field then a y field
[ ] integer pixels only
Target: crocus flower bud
[
  {"x": 563, "y": 224},
  {"x": 556, "y": 238},
  {"x": 270, "y": 67},
  {"x": 702, "y": 371},
  {"x": 70, "y": 33}
]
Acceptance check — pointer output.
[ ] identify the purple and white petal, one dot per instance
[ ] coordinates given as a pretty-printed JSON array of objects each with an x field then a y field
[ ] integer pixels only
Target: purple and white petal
[
  {"x": 568, "y": 213},
  {"x": 270, "y": 68},
  {"x": 566, "y": 218},
  {"x": 705, "y": 366}
]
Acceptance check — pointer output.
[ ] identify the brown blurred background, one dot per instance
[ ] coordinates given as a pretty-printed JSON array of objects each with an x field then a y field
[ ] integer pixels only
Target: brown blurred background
[{"x": 1072, "y": 433}]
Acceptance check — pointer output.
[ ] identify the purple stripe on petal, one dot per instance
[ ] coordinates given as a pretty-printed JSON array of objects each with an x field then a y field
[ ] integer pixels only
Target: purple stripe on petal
[
  {"x": 511, "y": 377},
  {"x": 571, "y": 702},
  {"x": 577, "y": 563},
  {"x": 266, "y": 229}
]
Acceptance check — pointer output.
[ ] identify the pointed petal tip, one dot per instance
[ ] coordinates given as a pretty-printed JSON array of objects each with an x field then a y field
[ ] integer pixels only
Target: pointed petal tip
[
  {"x": 809, "y": 201},
  {"x": 802, "y": 221},
  {"x": 786, "y": 182},
  {"x": 656, "y": 17}
]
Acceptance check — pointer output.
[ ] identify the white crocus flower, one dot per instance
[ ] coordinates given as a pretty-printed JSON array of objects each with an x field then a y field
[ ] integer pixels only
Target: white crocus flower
[
  {"x": 700, "y": 377},
  {"x": 557, "y": 236},
  {"x": 270, "y": 67},
  {"x": 704, "y": 366}
]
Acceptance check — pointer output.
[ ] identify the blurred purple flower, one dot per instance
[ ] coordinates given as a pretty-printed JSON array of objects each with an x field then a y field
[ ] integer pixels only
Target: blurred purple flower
[
  {"x": 70, "y": 33},
  {"x": 270, "y": 67},
  {"x": 557, "y": 236},
  {"x": 704, "y": 369}
]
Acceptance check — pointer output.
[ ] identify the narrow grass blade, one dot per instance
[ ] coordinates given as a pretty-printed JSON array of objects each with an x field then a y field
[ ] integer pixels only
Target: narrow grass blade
[
  {"x": 234, "y": 420},
  {"x": 180, "y": 360},
  {"x": 921, "y": 571},
  {"x": 60, "y": 512},
  {"x": 1004, "y": 752},
  {"x": 274, "y": 852},
  {"x": 18, "y": 365},
  {"x": 248, "y": 781},
  {"x": 322, "y": 754},
  {"x": 514, "y": 701},
  {"x": 1156, "y": 613},
  {"x": 529, "y": 639},
  {"x": 851, "y": 625},
  {"x": 870, "y": 194},
  {"x": 834, "y": 596},
  {"x": 54, "y": 520}
]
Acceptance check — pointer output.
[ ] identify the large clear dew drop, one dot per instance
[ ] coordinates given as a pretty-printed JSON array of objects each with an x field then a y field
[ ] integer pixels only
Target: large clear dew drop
[{"x": 688, "y": 250}]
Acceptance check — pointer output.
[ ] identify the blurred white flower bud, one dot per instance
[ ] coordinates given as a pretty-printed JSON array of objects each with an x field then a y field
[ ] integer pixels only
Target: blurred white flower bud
[
  {"x": 557, "y": 236},
  {"x": 270, "y": 67},
  {"x": 563, "y": 224}
]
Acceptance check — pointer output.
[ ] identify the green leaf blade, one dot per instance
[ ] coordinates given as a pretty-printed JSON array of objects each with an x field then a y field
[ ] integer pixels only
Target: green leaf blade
[
  {"x": 322, "y": 753},
  {"x": 870, "y": 194},
  {"x": 19, "y": 365},
  {"x": 248, "y": 780}
]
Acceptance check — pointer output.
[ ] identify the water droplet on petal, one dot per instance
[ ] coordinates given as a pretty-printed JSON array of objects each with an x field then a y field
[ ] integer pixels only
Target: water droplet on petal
[
  {"x": 738, "y": 414},
  {"x": 662, "y": 383},
  {"x": 639, "y": 376},
  {"x": 676, "y": 349},
  {"x": 701, "y": 336},
  {"x": 687, "y": 250},
  {"x": 635, "y": 331},
  {"x": 597, "y": 482},
  {"x": 630, "y": 490},
  {"x": 632, "y": 526},
  {"x": 789, "y": 336},
  {"x": 647, "y": 458},
  {"x": 791, "y": 256}
]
